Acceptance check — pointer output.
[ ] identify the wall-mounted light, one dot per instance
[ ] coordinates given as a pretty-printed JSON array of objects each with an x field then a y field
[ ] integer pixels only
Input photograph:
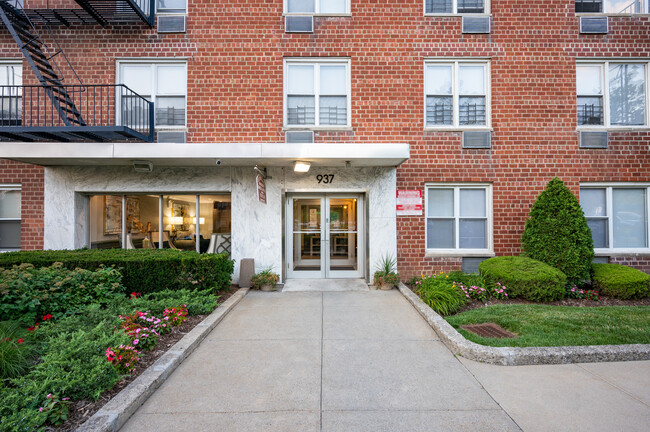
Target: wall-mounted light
[
  {"x": 142, "y": 166},
  {"x": 301, "y": 167}
]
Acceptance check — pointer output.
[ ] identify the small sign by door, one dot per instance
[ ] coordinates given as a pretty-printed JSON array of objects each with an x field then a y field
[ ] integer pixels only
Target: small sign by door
[
  {"x": 409, "y": 203},
  {"x": 261, "y": 189}
]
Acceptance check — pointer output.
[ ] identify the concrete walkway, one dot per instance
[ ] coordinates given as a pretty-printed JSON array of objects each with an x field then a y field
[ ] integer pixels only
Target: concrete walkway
[{"x": 366, "y": 361}]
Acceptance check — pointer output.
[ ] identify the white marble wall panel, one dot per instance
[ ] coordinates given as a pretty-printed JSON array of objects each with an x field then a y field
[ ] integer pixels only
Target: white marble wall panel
[{"x": 257, "y": 228}]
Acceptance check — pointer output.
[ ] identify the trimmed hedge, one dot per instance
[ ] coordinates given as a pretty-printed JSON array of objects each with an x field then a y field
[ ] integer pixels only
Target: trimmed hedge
[
  {"x": 525, "y": 277},
  {"x": 143, "y": 270},
  {"x": 620, "y": 281}
]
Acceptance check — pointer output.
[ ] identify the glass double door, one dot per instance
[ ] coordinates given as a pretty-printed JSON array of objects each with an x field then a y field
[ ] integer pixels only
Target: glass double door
[{"x": 325, "y": 236}]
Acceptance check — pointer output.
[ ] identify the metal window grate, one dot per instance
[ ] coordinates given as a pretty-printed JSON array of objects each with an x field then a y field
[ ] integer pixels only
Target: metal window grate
[
  {"x": 471, "y": 6},
  {"x": 301, "y": 116},
  {"x": 332, "y": 115},
  {"x": 472, "y": 114},
  {"x": 438, "y": 6},
  {"x": 589, "y": 6},
  {"x": 590, "y": 114},
  {"x": 170, "y": 116},
  {"x": 439, "y": 114}
]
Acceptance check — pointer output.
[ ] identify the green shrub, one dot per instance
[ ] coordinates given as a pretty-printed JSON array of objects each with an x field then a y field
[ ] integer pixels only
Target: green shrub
[
  {"x": 15, "y": 354},
  {"x": 525, "y": 277},
  {"x": 143, "y": 270},
  {"x": 557, "y": 233},
  {"x": 28, "y": 293},
  {"x": 197, "y": 302},
  {"x": 440, "y": 293},
  {"x": 621, "y": 282}
]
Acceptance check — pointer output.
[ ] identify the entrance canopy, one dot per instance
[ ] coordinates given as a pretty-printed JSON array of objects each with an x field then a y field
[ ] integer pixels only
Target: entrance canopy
[{"x": 206, "y": 154}]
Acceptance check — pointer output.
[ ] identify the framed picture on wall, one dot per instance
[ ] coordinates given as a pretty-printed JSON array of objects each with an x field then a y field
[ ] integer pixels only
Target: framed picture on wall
[{"x": 113, "y": 214}]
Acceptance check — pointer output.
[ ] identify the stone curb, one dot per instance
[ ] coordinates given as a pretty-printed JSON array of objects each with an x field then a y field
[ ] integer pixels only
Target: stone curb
[
  {"x": 112, "y": 416},
  {"x": 516, "y": 356}
]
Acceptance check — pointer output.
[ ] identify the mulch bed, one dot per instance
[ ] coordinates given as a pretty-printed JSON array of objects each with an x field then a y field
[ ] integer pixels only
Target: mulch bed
[
  {"x": 82, "y": 410},
  {"x": 604, "y": 301}
]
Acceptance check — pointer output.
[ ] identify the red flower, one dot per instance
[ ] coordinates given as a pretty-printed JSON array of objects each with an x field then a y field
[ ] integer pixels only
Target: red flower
[
  {"x": 21, "y": 340},
  {"x": 135, "y": 295},
  {"x": 47, "y": 317}
]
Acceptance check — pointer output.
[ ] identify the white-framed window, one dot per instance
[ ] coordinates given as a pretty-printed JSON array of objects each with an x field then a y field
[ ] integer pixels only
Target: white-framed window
[
  {"x": 317, "y": 93},
  {"x": 176, "y": 7},
  {"x": 457, "y": 94},
  {"x": 10, "y": 217},
  {"x": 447, "y": 7},
  {"x": 458, "y": 218},
  {"x": 613, "y": 7},
  {"x": 162, "y": 82},
  {"x": 11, "y": 98},
  {"x": 317, "y": 7},
  {"x": 612, "y": 93},
  {"x": 618, "y": 216}
]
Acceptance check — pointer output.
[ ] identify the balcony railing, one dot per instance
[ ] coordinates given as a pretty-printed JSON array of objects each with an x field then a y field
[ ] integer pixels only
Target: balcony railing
[{"x": 72, "y": 112}]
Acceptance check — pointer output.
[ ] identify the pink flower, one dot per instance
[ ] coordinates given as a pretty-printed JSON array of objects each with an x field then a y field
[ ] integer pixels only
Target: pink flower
[{"x": 135, "y": 341}]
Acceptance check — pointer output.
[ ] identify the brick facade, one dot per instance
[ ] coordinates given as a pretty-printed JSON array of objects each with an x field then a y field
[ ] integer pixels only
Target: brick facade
[
  {"x": 30, "y": 178},
  {"x": 235, "y": 55}
]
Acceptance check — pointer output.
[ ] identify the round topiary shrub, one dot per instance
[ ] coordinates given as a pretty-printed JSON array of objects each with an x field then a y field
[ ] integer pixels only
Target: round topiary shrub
[
  {"x": 525, "y": 277},
  {"x": 557, "y": 233},
  {"x": 620, "y": 281}
]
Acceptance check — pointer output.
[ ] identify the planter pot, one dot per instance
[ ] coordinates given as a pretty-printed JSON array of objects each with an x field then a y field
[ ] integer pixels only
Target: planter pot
[
  {"x": 385, "y": 286},
  {"x": 267, "y": 287}
]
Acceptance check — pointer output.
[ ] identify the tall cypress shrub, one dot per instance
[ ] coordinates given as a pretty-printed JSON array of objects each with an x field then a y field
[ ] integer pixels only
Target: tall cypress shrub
[{"x": 557, "y": 232}]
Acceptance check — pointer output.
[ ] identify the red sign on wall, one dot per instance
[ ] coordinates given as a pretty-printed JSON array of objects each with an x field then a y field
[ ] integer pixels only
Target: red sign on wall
[{"x": 409, "y": 203}]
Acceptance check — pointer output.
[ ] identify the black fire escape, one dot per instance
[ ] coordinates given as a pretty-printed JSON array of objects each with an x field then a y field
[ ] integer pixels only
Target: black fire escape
[{"x": 55, "y": 109}]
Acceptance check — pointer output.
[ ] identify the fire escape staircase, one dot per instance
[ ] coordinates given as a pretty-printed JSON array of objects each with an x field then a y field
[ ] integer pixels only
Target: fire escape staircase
[
  {"x": 38, "y": 58},
  {"x": 55, "y": 110}
]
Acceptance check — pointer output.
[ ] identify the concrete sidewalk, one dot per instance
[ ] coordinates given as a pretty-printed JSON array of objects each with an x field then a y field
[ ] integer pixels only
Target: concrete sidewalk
[{"x": 367, "y": 361}]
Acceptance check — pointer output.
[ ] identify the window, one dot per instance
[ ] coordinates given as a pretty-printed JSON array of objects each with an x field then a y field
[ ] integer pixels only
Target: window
[
  {"x": 617, "y": 216},
  {"x": 456, "y": 6},
  {"x": 317, "y": 7},
  {"x": 317, "y": 93},
  {"x": 171, "y": 6},
  {"x": 11, "y": 98},
  {"x": 10, "y": 217},
  {"x": 165, "y": 84},
  {"x": 458, "y": 218},
  {"x": 612, "y": 94},
  {"x": 613, "y": 6},
  {"x": 456, "y": 94}
]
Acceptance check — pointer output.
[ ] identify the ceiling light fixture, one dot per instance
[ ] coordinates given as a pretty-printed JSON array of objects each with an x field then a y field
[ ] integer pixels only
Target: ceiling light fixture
[{"x": 301, "y": 167}]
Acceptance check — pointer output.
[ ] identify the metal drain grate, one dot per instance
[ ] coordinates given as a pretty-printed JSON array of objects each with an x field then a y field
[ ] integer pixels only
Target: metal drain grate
[{"x": 488, "y": 330}]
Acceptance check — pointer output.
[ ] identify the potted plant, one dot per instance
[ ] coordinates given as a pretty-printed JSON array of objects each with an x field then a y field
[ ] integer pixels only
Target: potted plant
[
  {"x": 265, "y": 280},
  {"x": 386, "y": 276}
]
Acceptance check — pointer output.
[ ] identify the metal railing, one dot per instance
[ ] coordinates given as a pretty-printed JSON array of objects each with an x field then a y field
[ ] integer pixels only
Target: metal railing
[
  {"x": 472, "y": 114},
  {"x": 83, "y": 105},
  {"x": 636, "y": 7},
  {"x": 301, "y": 115},
  {"x": 590, "y": 114},
  {"x": 589, "y": 6},
  {"x": 439, "y": 114},
  {"x": 333, "y": 115}
]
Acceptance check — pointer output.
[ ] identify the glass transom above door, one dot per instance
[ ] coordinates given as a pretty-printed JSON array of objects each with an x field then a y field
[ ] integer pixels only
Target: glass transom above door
[{"x": 324, "y": 238}]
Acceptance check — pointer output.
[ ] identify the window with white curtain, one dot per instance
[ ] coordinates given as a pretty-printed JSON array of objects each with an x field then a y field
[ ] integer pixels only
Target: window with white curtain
[
  {"x": 317, "y": 7},
  {"x": 613, "y": 6},
  {"x": 317, "y": 93},
  {"x": 456, "y": 6},
  {"x": 163, "y": 83},
  {"x": 456, "y": 94},
  {"x": 612, "y": 94},
  {"x": 617, "y": 216},
  {"x": 10, "y": 217},
  {"x": 458, "y": 218}
]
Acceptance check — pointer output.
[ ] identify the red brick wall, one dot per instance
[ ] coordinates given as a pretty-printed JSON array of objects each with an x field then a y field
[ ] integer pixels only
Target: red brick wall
[
  {"x": 30, "y": 177},
  {"x": 235, "y": 54}
]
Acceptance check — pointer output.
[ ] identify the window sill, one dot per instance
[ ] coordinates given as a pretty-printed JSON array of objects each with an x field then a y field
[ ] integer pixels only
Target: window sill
[
  {"x": 599, "y": 14},
  {"x": 451, "y": 15},
  {"x": 459, "y": 253},
  {"x": 317, "y": 15},
  {"x": 612, "y": 129},
  {"x": 458, "y": 129},
  {"x": 318, "y": 128},
  {"x": 622, "y": 252}
]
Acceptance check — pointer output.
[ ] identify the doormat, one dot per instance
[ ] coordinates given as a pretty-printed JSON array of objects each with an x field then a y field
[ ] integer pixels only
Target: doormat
[{"x": 488, "y": 330}]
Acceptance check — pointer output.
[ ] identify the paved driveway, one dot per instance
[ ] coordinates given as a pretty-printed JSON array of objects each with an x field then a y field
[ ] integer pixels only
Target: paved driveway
[{"x": 366, "y": 361}]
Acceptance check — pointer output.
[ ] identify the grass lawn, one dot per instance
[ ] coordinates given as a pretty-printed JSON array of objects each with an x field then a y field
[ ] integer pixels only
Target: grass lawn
[{"x": 539, "y": 325}]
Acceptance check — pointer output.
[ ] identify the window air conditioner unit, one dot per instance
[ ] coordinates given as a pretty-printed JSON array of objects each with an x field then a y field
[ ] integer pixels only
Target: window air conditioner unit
[
  {"x": 170, "y": 137},
  {"x": 476, "y": 24},
  {"x": 172, "y": 23},
  {"x": 299, "y": 137},
  {"x": 299, "y": 24},
  {"x": 597, "y": 140},
  {"x": 593, "y": 25},
  {"x": 477, "y": 139}
]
